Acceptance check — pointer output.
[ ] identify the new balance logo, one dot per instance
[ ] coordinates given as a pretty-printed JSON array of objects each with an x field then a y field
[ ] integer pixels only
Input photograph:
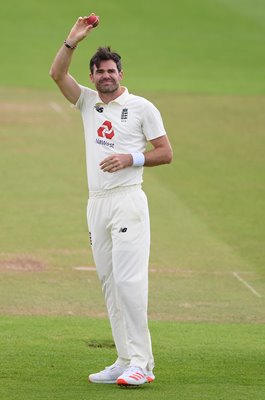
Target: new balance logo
[
  {"x": 99, "y": 109},
  {"x": 123, "y": 230}
]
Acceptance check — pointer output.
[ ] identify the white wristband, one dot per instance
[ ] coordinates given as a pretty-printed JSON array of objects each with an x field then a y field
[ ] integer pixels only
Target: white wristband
[{"x": 138, "y": 159}]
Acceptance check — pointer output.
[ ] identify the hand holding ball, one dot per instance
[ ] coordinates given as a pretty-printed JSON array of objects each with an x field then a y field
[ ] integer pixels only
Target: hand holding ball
[
  {"x": 80, "y": 30},
  {"x": 92, "y": 20}
]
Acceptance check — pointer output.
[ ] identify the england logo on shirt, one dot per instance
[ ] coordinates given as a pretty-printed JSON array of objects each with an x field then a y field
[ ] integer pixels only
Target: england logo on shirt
[{"x": 124, "y": 115}]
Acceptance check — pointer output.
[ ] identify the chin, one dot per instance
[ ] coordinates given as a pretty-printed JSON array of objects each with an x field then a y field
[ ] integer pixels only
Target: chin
[{"x": 108, "y": 90}]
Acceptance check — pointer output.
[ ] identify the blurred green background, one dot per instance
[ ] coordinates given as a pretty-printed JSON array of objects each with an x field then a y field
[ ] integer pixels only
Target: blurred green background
[{"x": 205, "y": 46}]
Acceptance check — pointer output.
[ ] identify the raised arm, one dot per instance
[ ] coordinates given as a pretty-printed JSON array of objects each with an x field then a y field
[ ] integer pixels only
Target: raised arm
[{"x": 60, "y": 66}]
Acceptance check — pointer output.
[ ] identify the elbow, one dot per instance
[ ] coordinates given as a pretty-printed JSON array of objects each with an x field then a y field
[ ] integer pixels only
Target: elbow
[
  {"x": 54, "y": 74},
  {"x": 168, "y": 157}
]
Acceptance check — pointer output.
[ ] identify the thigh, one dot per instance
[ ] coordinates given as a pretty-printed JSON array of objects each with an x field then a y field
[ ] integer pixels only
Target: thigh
[
  {"x": 100, "y": 237},
  {"x": 131, "y": 237}
]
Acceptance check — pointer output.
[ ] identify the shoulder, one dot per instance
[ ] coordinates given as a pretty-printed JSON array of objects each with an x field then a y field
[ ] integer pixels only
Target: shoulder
[
  {"x": 144, "y": 107},
  {"x": 141, "y": 103},
  {"x": 86, "y": 96},
  {"x": 87, "y": 92},
  {"x": 139, "y": 100}
]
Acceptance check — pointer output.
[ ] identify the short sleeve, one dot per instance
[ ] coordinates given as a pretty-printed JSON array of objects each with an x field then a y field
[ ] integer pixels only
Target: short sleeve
[
  {"x": 85, "y": 96},
  {"x": 80, "y": 101},
  {"x": 152, "y": 123}
]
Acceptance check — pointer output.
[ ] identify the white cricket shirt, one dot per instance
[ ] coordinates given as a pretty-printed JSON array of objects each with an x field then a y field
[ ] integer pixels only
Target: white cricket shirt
[{"x": 122, "y": 126}]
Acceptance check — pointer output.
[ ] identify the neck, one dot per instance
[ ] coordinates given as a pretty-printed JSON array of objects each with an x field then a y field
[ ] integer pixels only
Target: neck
[{"x": 107, "y": 97}]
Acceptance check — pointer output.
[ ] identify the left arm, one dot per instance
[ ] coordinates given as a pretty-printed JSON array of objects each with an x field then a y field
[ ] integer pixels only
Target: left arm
[{"x": 160, "y": 154}]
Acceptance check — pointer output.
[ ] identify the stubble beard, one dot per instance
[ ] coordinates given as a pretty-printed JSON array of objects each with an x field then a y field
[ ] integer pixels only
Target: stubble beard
[{"x": 101, "y": 88}]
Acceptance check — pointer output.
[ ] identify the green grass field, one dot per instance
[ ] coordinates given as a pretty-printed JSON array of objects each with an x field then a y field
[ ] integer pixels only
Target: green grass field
[
  {"x": 203, "y": 68},
  {"x": 54, "y": 354}
]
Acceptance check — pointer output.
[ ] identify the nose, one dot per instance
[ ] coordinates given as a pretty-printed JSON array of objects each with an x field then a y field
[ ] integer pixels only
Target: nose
[{"x": 106, "y": 75}]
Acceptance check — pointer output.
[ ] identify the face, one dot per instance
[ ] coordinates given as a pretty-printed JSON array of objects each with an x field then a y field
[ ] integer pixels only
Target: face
[{"x": 106, "y": 78}]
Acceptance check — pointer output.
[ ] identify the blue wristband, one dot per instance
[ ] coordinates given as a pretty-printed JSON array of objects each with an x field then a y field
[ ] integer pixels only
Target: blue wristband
[{"x": 138, "y": 159}]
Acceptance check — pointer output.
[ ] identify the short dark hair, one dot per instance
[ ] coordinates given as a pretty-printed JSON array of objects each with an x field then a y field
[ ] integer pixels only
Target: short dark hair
[{"x": 102, "y": 54}]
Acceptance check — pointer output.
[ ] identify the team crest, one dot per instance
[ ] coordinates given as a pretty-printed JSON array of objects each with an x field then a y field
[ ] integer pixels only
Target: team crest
[{"x": 124, "y": 115}]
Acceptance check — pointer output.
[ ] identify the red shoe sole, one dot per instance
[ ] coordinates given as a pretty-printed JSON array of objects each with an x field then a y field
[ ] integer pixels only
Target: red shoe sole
[{"x": 149, "y": 379}]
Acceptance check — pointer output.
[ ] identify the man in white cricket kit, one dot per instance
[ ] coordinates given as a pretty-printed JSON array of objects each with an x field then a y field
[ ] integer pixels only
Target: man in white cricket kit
[{"x": 117, "y": 127}]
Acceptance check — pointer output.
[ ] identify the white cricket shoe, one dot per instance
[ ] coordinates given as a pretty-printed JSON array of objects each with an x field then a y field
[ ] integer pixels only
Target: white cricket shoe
[
  {"x": 108, "y": 375},
  {"x": 133, "y": 376},
  {"x": 149, "y": 376}
]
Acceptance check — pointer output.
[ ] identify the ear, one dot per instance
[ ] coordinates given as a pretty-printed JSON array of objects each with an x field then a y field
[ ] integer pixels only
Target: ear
[
  {"x": 91, "y": 77},
  {"x": 121, "y": 75}
]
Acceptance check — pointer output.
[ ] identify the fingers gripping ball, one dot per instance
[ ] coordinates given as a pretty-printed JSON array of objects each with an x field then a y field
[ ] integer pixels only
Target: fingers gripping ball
[{"x": 92, "y": 20}]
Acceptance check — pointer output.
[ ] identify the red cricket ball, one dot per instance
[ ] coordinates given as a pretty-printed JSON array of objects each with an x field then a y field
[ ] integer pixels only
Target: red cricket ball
[{"x": 92, "y": 20}]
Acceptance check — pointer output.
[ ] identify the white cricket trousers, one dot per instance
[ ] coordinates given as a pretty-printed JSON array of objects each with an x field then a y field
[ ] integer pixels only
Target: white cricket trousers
[{"x": 119, "y": 226}]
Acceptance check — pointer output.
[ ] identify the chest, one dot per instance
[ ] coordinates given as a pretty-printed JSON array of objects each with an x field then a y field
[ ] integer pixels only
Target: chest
[{"x": 115, "y": 122}]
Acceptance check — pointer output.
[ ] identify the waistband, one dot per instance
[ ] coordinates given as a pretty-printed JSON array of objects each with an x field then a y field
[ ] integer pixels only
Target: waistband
[{"x": 111, "y": 192}]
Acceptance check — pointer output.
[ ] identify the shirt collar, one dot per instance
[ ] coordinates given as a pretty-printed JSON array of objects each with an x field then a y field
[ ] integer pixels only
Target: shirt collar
[{"x": 120, "y": 100}]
